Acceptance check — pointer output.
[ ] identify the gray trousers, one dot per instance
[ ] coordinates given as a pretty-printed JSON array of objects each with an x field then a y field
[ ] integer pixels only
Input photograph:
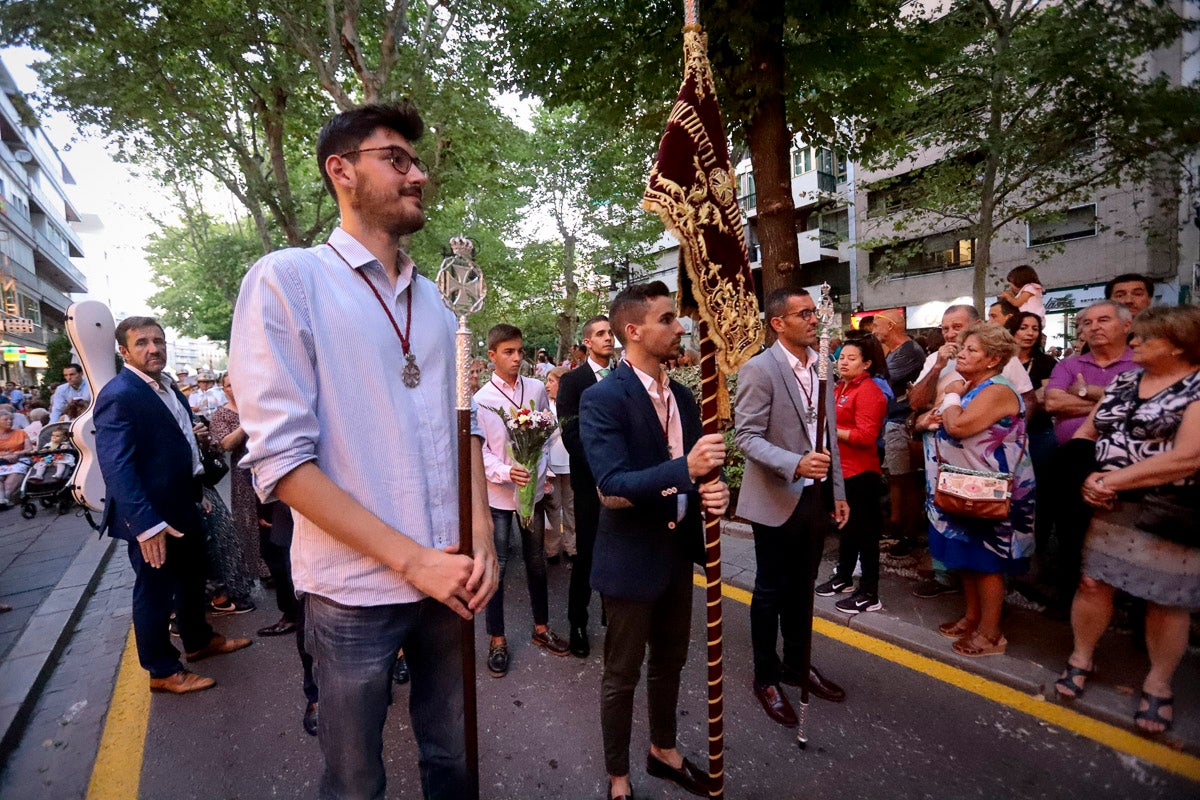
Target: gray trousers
[{"x": 664, "y": 627}]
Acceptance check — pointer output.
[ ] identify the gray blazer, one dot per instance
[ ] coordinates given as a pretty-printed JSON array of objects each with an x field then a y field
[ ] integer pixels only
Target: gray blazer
[{"x": 770, "y": 430}]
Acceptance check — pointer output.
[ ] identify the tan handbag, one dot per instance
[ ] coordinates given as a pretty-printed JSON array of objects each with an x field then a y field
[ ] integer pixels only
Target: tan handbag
[{"x": 972, "y": 493}]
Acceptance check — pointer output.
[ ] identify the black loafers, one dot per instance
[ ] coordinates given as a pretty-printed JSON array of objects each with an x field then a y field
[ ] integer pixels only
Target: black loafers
[
  {"x": 284, "y": 626},
  {"x": 311, "y": 719},
  {"x": 688, "y": 777},
  {"x": 579, "y": 642}
]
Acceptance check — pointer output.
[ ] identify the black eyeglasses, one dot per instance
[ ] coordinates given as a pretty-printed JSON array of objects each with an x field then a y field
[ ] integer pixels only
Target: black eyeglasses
[
  {"x": 400, "y": 159},
  {"x": 804, "y": 313}
]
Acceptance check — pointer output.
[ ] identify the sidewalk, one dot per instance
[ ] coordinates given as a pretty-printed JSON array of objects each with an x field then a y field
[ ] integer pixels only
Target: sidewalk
[
  {"x": 1038, "y": 646},
  {"x": 49, "y": 566}
]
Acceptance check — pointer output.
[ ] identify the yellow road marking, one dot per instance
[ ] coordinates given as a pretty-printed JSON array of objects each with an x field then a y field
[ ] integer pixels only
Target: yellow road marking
[
  {"x": 117, "y": 773},
  {"x": 1108, "y": 735}
]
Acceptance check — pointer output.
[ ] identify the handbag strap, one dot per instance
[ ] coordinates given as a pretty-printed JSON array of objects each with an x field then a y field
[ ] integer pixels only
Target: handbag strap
[{"x": 1012, "y": 476}]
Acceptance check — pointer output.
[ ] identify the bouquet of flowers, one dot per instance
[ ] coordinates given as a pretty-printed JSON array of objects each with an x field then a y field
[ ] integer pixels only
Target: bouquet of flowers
[{"x": 528, "y": 432}]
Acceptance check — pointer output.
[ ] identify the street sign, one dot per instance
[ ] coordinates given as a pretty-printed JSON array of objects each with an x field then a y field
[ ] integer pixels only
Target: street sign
[{"x": 18, "y": 325}]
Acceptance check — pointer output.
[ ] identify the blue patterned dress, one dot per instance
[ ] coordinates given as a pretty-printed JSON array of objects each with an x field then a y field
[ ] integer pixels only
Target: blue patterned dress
[{"x": 980, "y": 545}]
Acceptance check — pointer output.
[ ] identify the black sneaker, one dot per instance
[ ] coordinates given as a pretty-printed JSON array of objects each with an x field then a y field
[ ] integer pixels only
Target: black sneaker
[
  {"x": 858, "y": 603},
  {"x": 931, "y": 587},
  {"x": 834, "y": 585},
  {"x": 230, "y": 607},
  {"x": 497, "y": 660}
]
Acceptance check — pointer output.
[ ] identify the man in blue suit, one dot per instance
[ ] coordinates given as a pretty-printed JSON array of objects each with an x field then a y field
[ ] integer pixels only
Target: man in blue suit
[
  {"x": 642, "y": 437},
  {"x": 146, "y": 446}
]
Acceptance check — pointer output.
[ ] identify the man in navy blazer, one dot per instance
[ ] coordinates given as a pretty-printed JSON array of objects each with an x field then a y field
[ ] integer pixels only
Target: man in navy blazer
[
  {"x": 148, "y": 454},
  {"x": 598, "y": 339},
  {"x": 641, "y": 433}
]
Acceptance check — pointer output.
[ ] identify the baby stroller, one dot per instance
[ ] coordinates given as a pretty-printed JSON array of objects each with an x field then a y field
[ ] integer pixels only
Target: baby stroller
[{"x": 51, "y": 467}]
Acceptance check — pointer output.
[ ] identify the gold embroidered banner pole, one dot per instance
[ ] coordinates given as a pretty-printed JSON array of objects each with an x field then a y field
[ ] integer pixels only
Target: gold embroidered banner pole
[{"x": 691, "y": 187}]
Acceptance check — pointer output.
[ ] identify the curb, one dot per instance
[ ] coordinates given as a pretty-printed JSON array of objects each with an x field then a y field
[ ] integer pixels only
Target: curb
[
  {"x": 28, "y": 665},
  {"x": 1101, "y": 702}
]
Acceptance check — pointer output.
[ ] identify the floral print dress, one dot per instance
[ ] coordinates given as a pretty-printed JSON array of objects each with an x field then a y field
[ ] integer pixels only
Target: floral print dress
[
  {"x": 1116, "y": 551},
  {"x": 990, "y": 546}
]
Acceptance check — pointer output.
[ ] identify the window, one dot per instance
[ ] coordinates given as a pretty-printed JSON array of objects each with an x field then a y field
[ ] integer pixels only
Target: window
[
  {"x": 31, "y": 309},
  {"x": 825, "y": 161},
  {"x": 843, "y": 169},
  {"x": 833, "y": 227},
  {"x": 802, "y": 161},
  {"x": 747, "y": 198},
  {"x": 1074, "y": 223},
  {"x": 936, "y": 253}
]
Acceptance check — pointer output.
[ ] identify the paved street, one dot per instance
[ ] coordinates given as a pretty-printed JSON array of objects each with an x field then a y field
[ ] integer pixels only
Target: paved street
[{"x": 902, "y": 733}]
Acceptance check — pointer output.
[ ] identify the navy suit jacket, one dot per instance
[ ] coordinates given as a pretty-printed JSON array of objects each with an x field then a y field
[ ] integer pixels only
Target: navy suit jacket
[
  {"x": 570, "y": 394},
  {"x": 146, "y": 461},
  {"x": 637, "y": 547}
]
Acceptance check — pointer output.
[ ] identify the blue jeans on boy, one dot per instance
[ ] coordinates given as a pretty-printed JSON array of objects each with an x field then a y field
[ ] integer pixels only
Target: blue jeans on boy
[
  {"x": 355, "y": 649},
  {"x": 508, "y": 531}
]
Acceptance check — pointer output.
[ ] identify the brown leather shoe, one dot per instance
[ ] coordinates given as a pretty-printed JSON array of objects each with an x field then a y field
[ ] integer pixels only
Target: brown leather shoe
[
  {"x": 218, "y": 645},
  {"x": 776, "y": 704},
  {"x": 182, "y": 682}
]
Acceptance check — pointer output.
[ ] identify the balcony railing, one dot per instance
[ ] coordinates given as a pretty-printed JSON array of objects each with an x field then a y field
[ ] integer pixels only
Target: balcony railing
[
  {"x": 828, "y": 239},
  {"x": 61, "y": 262},
  {"x": 748, "y": 202}
]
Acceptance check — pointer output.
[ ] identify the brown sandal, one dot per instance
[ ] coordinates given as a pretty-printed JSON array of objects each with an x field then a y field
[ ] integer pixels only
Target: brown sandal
[
  {"x": 976, "y": 644},
  {"x": 956, "y": 629}
]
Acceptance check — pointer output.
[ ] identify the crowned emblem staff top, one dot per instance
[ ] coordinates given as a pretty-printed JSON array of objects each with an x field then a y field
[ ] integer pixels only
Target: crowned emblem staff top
[{"x": 463, "y": 289}]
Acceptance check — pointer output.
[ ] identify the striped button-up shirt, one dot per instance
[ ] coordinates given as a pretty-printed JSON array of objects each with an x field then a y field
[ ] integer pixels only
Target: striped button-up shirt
[{"x": 317, "y": 369}]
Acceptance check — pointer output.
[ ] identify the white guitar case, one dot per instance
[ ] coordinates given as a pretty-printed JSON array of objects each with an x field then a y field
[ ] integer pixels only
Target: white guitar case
[{"x": 91, "y": 330}]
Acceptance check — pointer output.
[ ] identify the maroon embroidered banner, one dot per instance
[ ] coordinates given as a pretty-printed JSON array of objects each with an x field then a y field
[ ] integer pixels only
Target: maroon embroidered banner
[{"x": 692, "y": 189}]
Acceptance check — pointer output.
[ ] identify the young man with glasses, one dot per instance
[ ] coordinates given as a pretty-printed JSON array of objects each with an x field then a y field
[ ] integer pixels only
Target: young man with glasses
[
  {"x": 367, "y": 458},
  {"x": 786, "y": 458}
]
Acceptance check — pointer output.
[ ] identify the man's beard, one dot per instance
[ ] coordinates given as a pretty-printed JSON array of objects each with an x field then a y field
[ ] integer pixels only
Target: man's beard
[{"x": 373, "y": 207}]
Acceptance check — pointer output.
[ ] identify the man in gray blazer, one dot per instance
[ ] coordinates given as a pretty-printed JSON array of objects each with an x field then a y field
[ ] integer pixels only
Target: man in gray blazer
[{"x": 784, "y": 497}]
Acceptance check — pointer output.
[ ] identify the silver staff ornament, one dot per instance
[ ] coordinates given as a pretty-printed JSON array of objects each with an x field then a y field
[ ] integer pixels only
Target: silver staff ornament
[{"x": 463, "y": 289}]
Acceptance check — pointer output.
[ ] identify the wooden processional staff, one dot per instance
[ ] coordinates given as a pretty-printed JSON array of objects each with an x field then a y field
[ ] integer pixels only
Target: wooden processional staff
[
  {"x": 462, "y": 286},
  {"x": 825, "y": 315}
]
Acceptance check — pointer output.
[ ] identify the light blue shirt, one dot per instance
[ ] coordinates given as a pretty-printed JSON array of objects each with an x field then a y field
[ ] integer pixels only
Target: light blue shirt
[
  {"x": 316, "y": 368},
  {"x": 65, "y": 394}
]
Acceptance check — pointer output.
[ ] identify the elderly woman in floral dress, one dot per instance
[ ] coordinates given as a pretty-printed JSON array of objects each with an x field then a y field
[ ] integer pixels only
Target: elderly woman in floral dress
[
  {"x": 1144, "y": 537},
  {"x": 981, "y": 426}
]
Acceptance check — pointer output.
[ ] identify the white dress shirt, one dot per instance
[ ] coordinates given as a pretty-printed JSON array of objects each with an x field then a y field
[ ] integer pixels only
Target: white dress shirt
[
  {"x": 317, "y": 367},
  {"x": 497, "y": 463},
  {"x": 162, "y": 388},
  {"x": 809, "y": 390}
]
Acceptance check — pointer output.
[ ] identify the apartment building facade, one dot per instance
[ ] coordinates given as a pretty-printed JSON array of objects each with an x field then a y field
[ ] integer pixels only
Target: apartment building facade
[
  {"x": 842, "y": 209},
  {"x": 37, "y": 242}
]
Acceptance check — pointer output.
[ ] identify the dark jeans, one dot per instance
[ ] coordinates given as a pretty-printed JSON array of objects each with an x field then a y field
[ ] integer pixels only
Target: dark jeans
[
  {"x": 786, "y": 559},
  {"x": 178, "y": 585},
  {"x": 355, "y": 650},
  {"x": 665, "y": 626},
  {"x": 860, "y": 537},
  {"x": 587, "y": 517},
  {"x": 508, "y": 531}
]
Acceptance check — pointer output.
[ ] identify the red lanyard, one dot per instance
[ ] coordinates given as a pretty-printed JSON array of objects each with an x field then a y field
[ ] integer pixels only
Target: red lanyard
[
  {"x": 507, "y": 396},
  {"x": 404, "y": 337},
  {"x": 412, "y": 373}
]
